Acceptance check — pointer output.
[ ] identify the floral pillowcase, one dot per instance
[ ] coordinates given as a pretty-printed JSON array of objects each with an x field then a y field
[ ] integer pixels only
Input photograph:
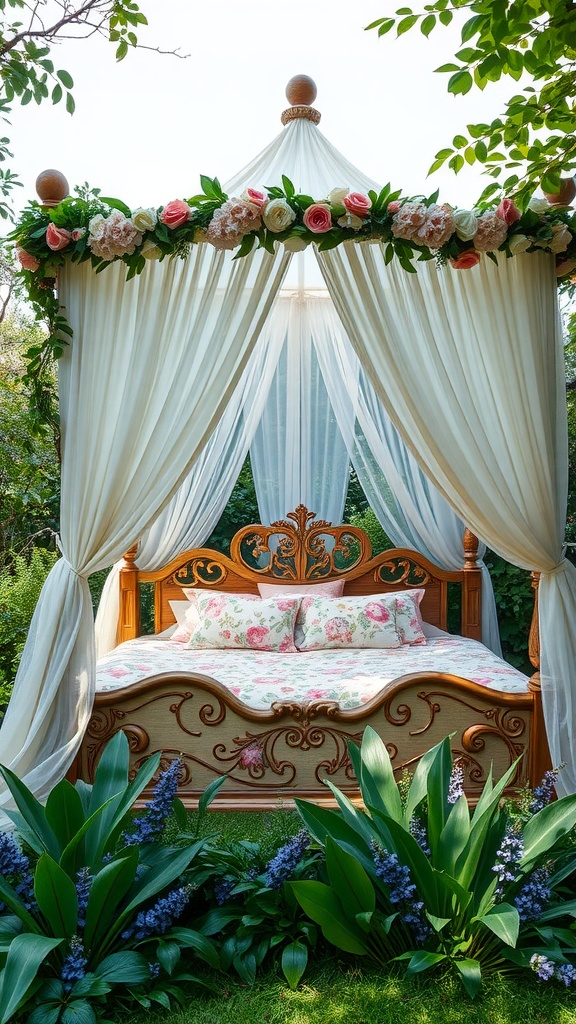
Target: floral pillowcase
[
  {"x": 348, "y": 622},
  {"x": 228, "y": 620},
  {"x": 408, "y": 617}
]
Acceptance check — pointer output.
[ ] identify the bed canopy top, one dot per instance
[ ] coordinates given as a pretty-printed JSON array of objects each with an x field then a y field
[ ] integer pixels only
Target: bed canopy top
[{"x": 445, "y": 387}]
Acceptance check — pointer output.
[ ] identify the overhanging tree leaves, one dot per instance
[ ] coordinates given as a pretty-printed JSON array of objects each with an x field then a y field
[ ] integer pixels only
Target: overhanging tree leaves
[{"x": 533, "y": 42}]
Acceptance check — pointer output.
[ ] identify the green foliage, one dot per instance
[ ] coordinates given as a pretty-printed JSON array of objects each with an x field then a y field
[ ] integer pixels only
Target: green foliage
[
  {"x": 533, "y": 41},
  {"x": 242, "y": 509},
  {"x": 20, "y": 584},
  {"x": 421, "y": 879},
  {"x": 96, "y": 909},
  {"x": 368, "y": 522},
  {"x": 515, "y": 605}
]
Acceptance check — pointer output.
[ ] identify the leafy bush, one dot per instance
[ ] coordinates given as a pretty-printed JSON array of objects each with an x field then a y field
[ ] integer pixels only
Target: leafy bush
[
  {"x": 97, "y": 904},
  {"x": 20, "y": 586},
  {"x": 417, "y": 877}
]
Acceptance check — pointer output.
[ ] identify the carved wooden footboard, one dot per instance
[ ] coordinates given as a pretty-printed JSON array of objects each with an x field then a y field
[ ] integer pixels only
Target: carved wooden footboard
[{"x": 272, "y": 756}]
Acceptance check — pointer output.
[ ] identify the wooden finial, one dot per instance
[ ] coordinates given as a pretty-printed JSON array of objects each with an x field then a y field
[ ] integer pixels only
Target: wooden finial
[
  {"x": 301, "y": 89},
  {"x": 301, "y": 92},
  {"x": 52, "y": 187},
  {"x": 470, "y": 544}
]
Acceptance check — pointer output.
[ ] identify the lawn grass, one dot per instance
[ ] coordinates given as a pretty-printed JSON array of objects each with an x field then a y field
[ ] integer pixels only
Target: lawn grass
[
  {"x": 270, "y": 829},
  {"x": 334, "y": 992}
]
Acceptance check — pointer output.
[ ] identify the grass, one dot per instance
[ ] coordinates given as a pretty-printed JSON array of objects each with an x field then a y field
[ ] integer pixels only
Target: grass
[
  {"x": 335, "y": 992},
  {"x": 271, "y": 829}
]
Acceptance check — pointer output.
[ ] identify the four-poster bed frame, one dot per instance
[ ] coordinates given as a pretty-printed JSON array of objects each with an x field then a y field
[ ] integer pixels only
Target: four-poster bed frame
[{"x": 302, "y": 744}]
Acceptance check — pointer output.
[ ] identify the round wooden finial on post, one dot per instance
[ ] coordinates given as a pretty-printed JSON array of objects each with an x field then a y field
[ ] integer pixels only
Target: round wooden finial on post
[
  {"x": 301, "y": 92},
  {"x": 52, "y": 187}
]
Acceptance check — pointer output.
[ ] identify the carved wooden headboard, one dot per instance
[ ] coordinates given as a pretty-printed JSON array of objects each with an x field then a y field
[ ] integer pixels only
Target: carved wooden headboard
[{"x": 302, "y": 550}]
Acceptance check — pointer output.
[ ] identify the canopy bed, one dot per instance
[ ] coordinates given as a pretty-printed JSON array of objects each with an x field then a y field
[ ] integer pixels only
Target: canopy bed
[
  {"x": 446, "y": 385},
  {"x": 277, "y": 724}
]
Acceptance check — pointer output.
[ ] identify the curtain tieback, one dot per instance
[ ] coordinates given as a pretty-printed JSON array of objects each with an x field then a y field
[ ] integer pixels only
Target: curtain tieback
[{"x": 63, "y": 557}]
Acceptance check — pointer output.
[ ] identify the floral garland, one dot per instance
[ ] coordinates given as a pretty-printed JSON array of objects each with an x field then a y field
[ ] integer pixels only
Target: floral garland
[{"x": 88, "y": 226}]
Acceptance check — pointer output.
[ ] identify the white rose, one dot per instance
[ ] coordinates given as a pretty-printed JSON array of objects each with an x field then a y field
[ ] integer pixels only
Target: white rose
[
  {"x": 350, "y": 220},
  {"x": 151, "y": 251},
  {"x": 519, "y": 243},
  {"x": 144, "y": 220},
  {"x": 561, "y": 238},
  {"x": 465, "y": 223},
  {"x": 337, "y": 195},
  {"x": 278, "y": 215},
  {"x": 538, "y": 205},
  {"x": 295, "y": 244}
]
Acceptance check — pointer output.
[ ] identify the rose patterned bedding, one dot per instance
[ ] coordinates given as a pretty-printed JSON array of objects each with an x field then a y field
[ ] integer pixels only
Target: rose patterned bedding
[{"x": 351, "y": 676}]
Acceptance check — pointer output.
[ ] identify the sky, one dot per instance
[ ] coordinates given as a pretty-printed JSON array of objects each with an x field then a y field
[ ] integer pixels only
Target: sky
[{"x": 145, "y": 129}]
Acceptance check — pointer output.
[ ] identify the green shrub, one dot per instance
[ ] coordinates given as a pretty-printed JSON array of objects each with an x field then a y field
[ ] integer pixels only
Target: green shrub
[{"x": 20, "y": 584}]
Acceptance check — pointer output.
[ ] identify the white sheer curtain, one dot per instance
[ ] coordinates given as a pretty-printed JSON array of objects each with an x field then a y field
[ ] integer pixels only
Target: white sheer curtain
[
  {"x": 299, "y": 453},
  {"x": 469, "y": 366},
  {"x": 148, "y": 373},
  {"x": 408, "y": 507},
  {"x": 193, "y": 511}
]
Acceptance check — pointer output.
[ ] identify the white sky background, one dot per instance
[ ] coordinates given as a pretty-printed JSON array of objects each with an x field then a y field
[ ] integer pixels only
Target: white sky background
[{"x": 145, "y": 129}]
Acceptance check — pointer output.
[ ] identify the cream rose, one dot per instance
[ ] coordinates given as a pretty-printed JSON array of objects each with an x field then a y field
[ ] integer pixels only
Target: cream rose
[
  {"x": 336, "y": 196},
  {"x": 350, "y": 220},
  {"x": 465, "y": 223},
  {"x": 144, "y": 219},
  {"x": 151, "y": 251},
  {"x": 519, "y": 243},
  {"x": 295, "y": 244},
  {"x": 538, "y": 205},
  {"x": 278, "y": 215},
  {"x": 561, "y": 238}
]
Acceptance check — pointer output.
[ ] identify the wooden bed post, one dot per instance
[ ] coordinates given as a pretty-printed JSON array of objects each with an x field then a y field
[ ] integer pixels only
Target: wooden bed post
[
  {"x": 129, "y": 617},
  {"x": 471, "y": 589},
  {"x": 539, "y": 753}
]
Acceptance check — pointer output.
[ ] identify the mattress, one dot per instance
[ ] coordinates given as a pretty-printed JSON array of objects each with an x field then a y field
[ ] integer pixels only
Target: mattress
[{"x": 350, "y": 676}]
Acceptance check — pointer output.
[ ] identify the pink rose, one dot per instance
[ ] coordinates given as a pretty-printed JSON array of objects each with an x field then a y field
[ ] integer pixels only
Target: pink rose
[
  {"x": 175, "y": 213},
  {"x": 467, "y": 259},
  {"x": 508, "y": 212},
  {"x": 394, "y": 206},
  {"x": 250, "y": 755},
  {"x": 377, "y": 612},
  {"x": 27, "y": 261},
  {"x": 252, "y": 195},
  {"x": 357, "y": 203},
  {"x": 57, "y": 238},
  {"x": 317, "y": 218}
]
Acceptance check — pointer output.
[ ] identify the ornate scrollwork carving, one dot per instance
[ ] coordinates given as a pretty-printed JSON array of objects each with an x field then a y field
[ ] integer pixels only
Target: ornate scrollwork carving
[
  {"x": 310, "y": 550},
  {"x": 207, "y": 571},
  {"x": 402, "y": 570}
]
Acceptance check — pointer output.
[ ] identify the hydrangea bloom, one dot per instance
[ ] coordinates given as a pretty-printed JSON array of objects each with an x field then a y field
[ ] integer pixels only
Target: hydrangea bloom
[
  {"x": 151, "y": 826},
  {"x": 231, "y": 222},
  {"x": 283, "y": 863},
  {"x": 113, "y": 236},
  {"x": 543, "y": 967},
  {"x": 491, "y": 232}
]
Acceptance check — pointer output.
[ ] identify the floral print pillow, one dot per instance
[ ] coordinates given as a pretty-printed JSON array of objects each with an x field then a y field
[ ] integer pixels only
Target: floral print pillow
[
  {"x": 408, "y": 618},
  {"x": 348, "y": 622},
  {"x": 227, "y": 620}
]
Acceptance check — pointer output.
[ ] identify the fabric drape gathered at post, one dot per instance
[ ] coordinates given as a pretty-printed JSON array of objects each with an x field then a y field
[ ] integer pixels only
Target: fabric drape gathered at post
[
  {"x": 194, "y": 510},
  {"x": 150, "y": 369},
  {"x": 469, "y": 367}
]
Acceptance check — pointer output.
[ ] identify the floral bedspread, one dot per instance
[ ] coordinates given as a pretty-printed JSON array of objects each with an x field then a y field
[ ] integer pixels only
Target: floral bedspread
[{"x": 350, "y": 676}]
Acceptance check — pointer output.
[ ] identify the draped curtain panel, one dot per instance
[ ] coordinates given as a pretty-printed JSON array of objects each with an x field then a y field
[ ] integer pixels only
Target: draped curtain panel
[
  {"x": 148, "y": 374},
  {"x": 409, "y": 508},
  {"x": 300, "y": 454},
  {"x": 194, "y": 510},
  {"x": 469, "y": 366}
]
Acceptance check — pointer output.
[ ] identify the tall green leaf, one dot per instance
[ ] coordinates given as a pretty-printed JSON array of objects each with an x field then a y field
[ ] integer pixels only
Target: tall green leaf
[
  {"x": 454, "y": 836},
  {"x": 379, "y": 788},
  {"x": 428, "y": 882},
  {"x": 471, "y": 975},
  {"x": 349, "y": 879},
  {"x": 355, "y": 817},
  {"x": 419, "y": 784},
  {"x": 504, "y": 921},
  {"x": 548, "y": 826},
  {"x": 124, "y": 968},
  {"x": 294, "y": 961},
  {"x": 25, "y": 958},
  {"x": 437, "y": 792},
  {"x": 323, "y": 907},
  {"x": 32, "y": 811},
  {"x": 56, "y": 897},
  {"x": 322, "y": 822},
  {"x": 108, "y": 889},
  {"x": 10, "y": 897},
  {"x": 64, "y": 813}
]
